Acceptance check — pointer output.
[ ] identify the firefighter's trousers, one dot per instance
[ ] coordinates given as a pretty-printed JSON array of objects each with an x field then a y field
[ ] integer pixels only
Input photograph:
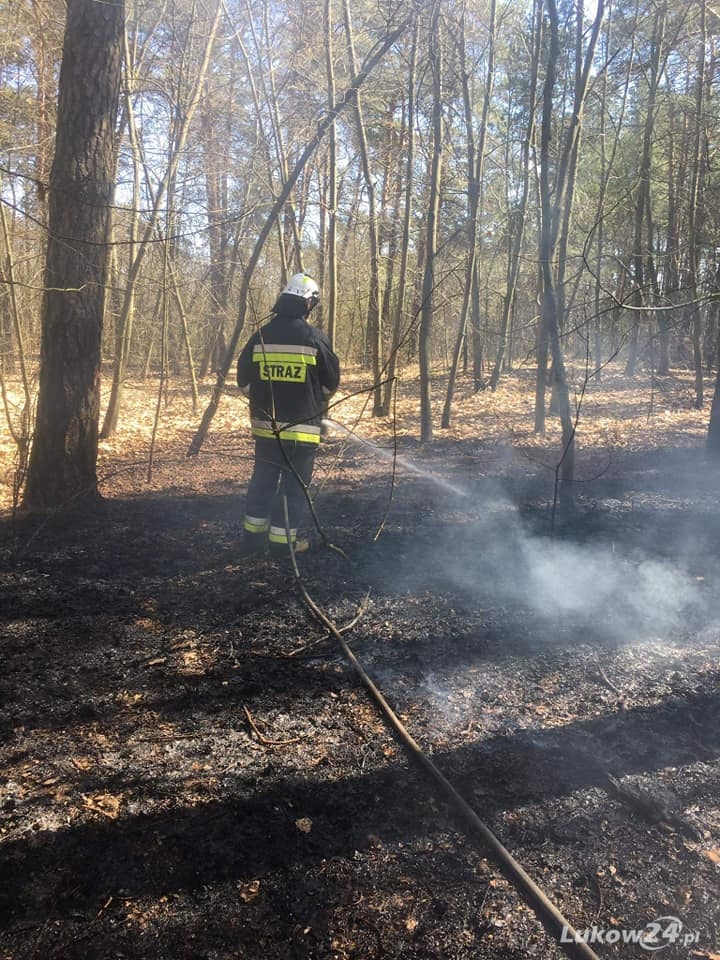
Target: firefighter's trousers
[{"x": 283, "y": 470}]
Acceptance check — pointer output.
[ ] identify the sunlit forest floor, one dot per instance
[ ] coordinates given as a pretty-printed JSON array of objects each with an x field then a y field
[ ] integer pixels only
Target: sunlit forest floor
[
  {"x": 189, "y": 768},
  {"x": 615, "y": 415}
]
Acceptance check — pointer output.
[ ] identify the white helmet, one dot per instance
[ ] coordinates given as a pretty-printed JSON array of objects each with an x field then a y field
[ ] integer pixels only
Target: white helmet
[{"x": 302, "y": 285}]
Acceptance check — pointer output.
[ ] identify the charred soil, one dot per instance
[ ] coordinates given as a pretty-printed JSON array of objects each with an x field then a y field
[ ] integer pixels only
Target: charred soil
[{"x": 190, "y": 769}]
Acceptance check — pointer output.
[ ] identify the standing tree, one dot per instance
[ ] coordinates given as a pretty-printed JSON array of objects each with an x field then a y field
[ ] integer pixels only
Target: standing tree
[
  {"x": 330, "y": 278},
  {"x": 642, "y": 234},
  {"x": 555, "y": 211},
  {"x": 374, "y": 319},
  {"x": 431, "y": 228},
  {"x": 697, "y": 164},
  {"x": 403, "y": 241},
  {"x": 475, "y": 157},
  {"x": 63, "y": 459},
  {"x": 519, "y": 210}
]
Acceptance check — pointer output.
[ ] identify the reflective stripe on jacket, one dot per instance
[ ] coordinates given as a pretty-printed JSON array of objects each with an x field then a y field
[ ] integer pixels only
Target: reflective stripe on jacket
[
  {"x": 303, "y": 432},
  {"x": 288, "y": 369}
]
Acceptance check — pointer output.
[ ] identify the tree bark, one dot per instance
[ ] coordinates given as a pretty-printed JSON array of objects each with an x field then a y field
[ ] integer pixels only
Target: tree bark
[
  {"x": 428, "y": 285},
  {"x": 519, "y": 215},
  {"x": 330, "y": 280},
  {"x": 643, "y": 200},
  {"x": 63, "y": 459},
  {"x": 713, "y": 436},
  {"x": 400, "y": 294},
  {"x": 374, "y": 320},
  {"x": 548, "y": 221},
  {"x": 694, "y": 214},
  {"x": 475, "y": 158}
]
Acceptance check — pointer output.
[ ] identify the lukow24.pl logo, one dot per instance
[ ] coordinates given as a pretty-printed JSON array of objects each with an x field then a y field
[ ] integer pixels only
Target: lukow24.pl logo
[{"x": 654, "y": 936}]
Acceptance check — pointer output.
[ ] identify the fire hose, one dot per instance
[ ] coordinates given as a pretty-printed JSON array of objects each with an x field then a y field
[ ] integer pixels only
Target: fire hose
[{"x": 549, "y": 915}]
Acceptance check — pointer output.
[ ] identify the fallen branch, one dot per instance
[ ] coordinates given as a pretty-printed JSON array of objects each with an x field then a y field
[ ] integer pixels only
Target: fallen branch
[
  {"x": 348, "y": 626},
  {"x": 262, "y": 738}
]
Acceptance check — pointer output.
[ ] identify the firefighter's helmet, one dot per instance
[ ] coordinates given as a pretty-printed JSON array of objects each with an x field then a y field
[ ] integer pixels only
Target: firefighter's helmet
[{"x": 302, "y": 285}]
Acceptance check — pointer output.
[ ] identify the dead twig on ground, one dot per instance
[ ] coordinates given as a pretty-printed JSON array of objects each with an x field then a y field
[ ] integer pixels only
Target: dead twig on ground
[
  {"x": 266, "y": 741},
  {"x": 608, "y": 682},
  {"x": 362, "y": 609}
]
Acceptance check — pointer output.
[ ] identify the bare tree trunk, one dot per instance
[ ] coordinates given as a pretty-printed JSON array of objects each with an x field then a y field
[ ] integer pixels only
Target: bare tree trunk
[
  {"x": 13, "y": 321},
  {"x": 187, "y": 345},
  {"x": 428, "y": 287},
  {"x": 19, "y": 427},
  {"x": 566, "y": 179},
  {"x": 555, "y": 211},
  {"x": 288, "y": 232},
  {"x": 517, "y": 221},
  {"x": 330, "y": 280},
  {"x": 607, "y": 165},
  {"x": 694, "y": 229},
  {"x": 477, "y": 339},
  {"x": 713, "y": 435},
  {"x": 672, "y": 293},
  {"x": 541, "y": 378},
  {"x": 643, "y": 200},
  {"x": 390, "y": 229},
  {"x": 400, "y": 294},
  {"x": 126, "y": 316},
  {"x": 218, "y": 234},
  {"x": 475, "y": 158},
  {"x": 550, "y": 320},
  {"x": 374, "y": 320},
  {"x": 45, "y": 94},
  {"x": 63, "y": 459}
]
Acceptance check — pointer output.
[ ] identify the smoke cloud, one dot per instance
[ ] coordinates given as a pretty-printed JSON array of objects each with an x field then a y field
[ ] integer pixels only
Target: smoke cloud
[{"x": 594, "y": 585}]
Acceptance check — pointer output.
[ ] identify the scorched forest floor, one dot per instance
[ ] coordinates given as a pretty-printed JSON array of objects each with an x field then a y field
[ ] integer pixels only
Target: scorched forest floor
[{"x": 189, "y": 768}]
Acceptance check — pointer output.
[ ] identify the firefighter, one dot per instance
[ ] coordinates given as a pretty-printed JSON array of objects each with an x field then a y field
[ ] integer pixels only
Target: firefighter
[{"x": 288, "y": 370}]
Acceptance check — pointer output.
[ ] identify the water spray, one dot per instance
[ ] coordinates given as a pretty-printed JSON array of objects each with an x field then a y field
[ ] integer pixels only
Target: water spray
[{"x": 391, "y": 457}]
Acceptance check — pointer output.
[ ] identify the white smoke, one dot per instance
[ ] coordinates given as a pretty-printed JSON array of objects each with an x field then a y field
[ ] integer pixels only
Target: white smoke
[
  {"x": 595, "y": 582},
  {"x": 589, "y": 585}
]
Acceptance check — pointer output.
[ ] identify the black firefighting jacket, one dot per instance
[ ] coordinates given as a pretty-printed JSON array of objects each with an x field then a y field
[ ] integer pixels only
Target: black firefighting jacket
[{"x": 289, "y": 370}]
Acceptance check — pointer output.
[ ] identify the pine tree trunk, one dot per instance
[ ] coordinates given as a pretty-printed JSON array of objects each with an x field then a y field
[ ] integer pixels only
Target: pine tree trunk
[{"x": 63, "y": 460}]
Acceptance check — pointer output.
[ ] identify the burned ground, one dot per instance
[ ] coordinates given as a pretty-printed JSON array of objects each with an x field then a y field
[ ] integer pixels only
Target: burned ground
[{"x": 190, "y": 768}]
